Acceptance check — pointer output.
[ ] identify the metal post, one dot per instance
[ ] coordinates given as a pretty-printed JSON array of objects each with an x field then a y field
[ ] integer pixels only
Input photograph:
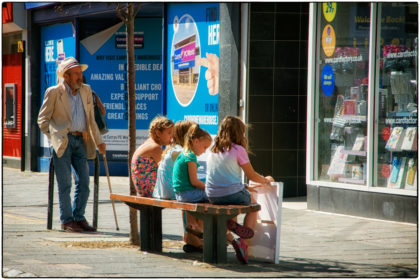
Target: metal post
[
  {"x": 95, "y": 192},
  {"x": 50, "y": 194}
]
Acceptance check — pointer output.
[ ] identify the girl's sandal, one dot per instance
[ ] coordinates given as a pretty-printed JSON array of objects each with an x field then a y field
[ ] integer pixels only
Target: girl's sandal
[{"x": 242, "y": 231}]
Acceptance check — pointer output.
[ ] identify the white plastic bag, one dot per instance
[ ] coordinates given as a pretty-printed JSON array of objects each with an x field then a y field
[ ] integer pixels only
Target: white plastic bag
[{"x": 265, "y": 245}]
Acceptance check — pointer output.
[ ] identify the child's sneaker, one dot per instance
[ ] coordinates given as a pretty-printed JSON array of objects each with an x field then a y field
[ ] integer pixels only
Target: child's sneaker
[
  {"x": 241, "y": 231},
  {"x": 241, "y": 250},
  {"x": 188, "y": 248}
]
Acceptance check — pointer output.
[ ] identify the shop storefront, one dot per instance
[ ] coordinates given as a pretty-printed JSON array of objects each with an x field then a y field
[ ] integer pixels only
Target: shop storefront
[
  {"x": 362, "y": 109},
  {"x": 95, "y": 35},
  {"x": 196, "y": 61},
  {"x": 188, "y": 37},
  {"x": 13, "y": 85}
]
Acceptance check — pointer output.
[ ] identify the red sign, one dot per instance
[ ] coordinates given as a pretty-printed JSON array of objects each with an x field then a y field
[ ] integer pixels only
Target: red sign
[{"x": 7, "y": 9}]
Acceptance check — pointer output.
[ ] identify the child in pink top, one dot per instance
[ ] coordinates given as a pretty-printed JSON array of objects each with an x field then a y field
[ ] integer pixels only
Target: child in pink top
[{"x": 224, "y": 185}]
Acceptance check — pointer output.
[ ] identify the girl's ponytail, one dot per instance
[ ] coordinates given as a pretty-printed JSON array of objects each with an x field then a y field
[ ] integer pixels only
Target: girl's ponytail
[{"x": 194, "y": 132}]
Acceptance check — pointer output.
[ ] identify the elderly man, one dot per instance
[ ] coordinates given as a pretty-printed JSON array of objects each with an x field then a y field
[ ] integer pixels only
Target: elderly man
[{"x": 67, "y": 118}]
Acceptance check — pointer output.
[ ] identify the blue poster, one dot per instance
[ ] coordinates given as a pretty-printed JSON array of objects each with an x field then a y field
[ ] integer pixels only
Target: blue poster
[
  {"x": 193, "y": 64},
  {"x": 105, "y": 53},
  {"x": 327, "y": 80},
  {"x": 57, "y": 42}
]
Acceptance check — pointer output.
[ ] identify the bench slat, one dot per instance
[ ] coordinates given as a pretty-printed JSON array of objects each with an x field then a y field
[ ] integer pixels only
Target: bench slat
[
  {"x": 194, "y": 207},
  {"x": 164, "y": 203}
]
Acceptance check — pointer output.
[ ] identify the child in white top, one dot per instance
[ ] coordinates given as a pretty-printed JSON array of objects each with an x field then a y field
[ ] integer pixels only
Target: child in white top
[
  {"x": 228, "y": 157},
  {"x": 163, "y": 188}
]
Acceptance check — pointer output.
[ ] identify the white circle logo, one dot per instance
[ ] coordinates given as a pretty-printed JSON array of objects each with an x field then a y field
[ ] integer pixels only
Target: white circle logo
[{"x": 185, "y": 52}]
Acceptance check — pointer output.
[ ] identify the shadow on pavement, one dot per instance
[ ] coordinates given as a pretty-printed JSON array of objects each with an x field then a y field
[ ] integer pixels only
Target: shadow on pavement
[
  {"x": 304, "y": 266},
  {"x": 108, "y": 234}
]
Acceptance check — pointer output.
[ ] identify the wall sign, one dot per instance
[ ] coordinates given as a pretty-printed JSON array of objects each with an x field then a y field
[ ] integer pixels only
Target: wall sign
[
  {"x": 193, "y": 64},
  {"x": 57, "y": 42},
  {"x": 329, "y": 10},
  {"x": 328, "y": 40},
  {"x": 327, "y": 80}
]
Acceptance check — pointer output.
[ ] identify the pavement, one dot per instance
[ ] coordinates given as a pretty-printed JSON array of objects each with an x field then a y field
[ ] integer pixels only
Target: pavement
[{"x": 313, "y": 244}]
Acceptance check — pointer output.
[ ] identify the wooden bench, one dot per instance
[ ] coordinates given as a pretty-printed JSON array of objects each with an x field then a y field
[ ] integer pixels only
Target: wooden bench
[{"x": 214, "y": 222}]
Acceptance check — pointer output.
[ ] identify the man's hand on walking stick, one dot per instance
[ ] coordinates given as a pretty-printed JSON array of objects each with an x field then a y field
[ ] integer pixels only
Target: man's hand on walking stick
[{"x": 102, "y": 148}]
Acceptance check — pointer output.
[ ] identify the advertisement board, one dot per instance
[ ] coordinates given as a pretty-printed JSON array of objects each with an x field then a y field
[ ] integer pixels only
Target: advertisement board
[
  {"x": 57, "y": 42},
  {"x": 193, "y": 64},
  {"x": 105, "y": 53}
]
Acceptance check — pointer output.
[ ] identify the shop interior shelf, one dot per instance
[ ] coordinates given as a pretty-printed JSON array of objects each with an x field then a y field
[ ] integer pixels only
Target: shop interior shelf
[
  {"x": 350, "y": 180},
  {"x": 355, "y": 153},
  {"x": 354, "y": 118}
]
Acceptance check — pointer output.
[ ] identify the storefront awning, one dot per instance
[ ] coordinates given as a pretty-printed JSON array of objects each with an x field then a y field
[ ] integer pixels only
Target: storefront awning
[{"x": 67, "y": 11}]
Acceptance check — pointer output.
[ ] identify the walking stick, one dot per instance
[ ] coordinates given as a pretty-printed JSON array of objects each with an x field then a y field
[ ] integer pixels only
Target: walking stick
[{"x": 110, "y": 190}]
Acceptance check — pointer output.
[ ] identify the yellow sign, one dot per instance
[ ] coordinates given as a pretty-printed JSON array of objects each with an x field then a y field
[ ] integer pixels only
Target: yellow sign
[
  {"x": 20, "y": 47},
  {"x": 328, "y": 40},
  {"x": 329, "y": 9}
]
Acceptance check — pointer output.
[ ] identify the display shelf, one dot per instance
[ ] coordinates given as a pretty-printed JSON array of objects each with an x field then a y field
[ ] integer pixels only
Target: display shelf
[
  {"x": 354, "y": 119},
  {"x": 350, "y": 180},
  {"x": 402, "y": 151},
  {"x": 350, "y": 119},
  {"x": 355, "y": 153}
]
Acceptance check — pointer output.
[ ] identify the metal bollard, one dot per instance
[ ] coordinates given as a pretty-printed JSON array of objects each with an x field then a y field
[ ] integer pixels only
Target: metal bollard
[
  {"x": 50, "y": 194},
  {"x": 95, "y": 192}
]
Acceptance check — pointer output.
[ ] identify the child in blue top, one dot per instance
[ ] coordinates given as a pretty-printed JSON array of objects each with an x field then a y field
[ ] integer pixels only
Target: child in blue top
[
  {"x": 187, "y": 186},
  {"x": 164, "y": 190},
  {"x": 227, "y": 160}
]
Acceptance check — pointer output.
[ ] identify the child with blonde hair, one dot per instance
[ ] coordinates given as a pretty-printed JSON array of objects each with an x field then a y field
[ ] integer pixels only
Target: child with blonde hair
[
  {"x": 144, "y": 163},
  {"x": 228, "y": 157},
  {"x": 163, "y": 188},
  {"x": 187, "y": 186}
]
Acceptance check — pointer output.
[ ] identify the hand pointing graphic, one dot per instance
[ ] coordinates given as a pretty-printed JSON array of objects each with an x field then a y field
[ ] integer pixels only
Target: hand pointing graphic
[{"x": 211, "y": 61}]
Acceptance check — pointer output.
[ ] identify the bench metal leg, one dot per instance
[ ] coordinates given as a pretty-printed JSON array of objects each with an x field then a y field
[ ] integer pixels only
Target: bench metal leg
[
  {"x": 214, "y": 237},
  {"x": 150, "y": 228},
  {"x": 209, "y": 239}
]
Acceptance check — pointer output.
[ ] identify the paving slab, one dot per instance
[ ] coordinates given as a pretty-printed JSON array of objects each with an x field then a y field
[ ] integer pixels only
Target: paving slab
[{"x": 313, "y": 244}]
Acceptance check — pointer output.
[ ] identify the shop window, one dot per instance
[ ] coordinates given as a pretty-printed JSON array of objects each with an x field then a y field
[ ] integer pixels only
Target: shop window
[
  {"x": 396, "y": 96},
  {"x": 342, "y": 79},
  {"x": 365, "y": 121},
  {"x": 10, "y": 42}
]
